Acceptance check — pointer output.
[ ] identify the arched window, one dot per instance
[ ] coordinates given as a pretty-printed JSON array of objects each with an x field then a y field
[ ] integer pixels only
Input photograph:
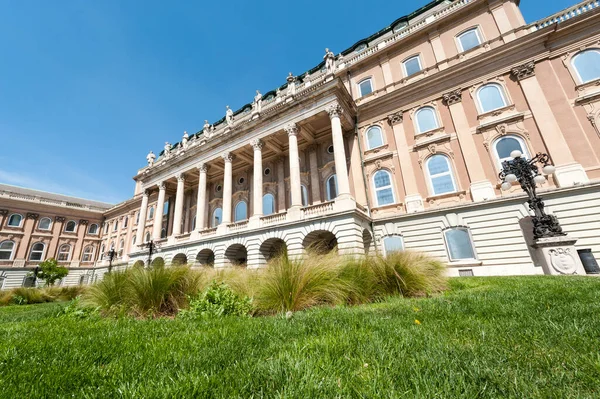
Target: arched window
[
  {"x": 125, "y": 221},
  {"x": 331, "y": 187},
  {"x": 587, "y": 65},
  {"x": 374, "y": 137},
  {"x": 507, "y": 144},
  {"x": 412, "y": 66},
  {"x": 217, "y": 217},
  {"x": 268, "y": 204},
  {"x": 137, "y": 217},
  {"x": 365, "y": 87},
  {"x": 64, "y": 253},
  {"x": 241, "y": 211},
  {"x": 490, "y": 97},
  {"x": 132, "y": 240},
  {"x": 106, "y": 227},
  {"x": 151, "y": 213},
  {"x": 93, "y": 229},
  {"x": 166, "y": 208},
  {"x": 44, "y": 224},
  {"x": 459, "y": 243},
  {"x": 163, "y": 233},
  {"x": 112, "y": 245},
  {"x": 147, "y": 237},
  {"x": 116, "y": 225},
  {"x": 71, "y": 226},
  {"x": 304, "y": 194},
  {"x": 6, "y": 250},
  {"x": 440, "y": 175},
  {"x": 383, "y": 188},
  {"x": 393, "y": 244},
  {"x": 102, "y": 251},
  {"x": 37, "y": 251},
  {"x": 121, "y": 247},
  {"x": 469, "y": 39},
  {"x": 426, "y": 119},
  {"x": 88, "y": 254},
  {"x": 194, "y": 223},
  {"x": 15, "y": 220}
]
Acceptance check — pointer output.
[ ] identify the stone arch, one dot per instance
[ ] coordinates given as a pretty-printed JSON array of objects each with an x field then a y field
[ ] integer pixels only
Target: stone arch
[
  {"x": 138, "y": 263},
  {"x": 206, "y": 257},
  {"x": 272, "y": 248},
  {"x": 179, "y": 260},
  {"x": 157, "y": 262},
  {"x": 236, "y": 255},
  {"x": 367, "y": 240},
  {"x": 320, "y": 241}
]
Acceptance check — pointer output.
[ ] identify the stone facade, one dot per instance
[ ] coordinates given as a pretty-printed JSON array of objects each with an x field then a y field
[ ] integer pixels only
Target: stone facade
[{"x": 394, "y": 143}]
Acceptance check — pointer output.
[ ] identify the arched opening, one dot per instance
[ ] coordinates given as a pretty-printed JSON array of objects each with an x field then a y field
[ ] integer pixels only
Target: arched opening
[
  {"x": 157, "y": 262},
  {"x": 236, "y": 255},
  {"x": 179, "y": 260},
  {"x": 206, "y": 258},
  {"x": 138, "y": 264},
  {"x": 272, "y": 248},
  {"x": 320, "y": 242},
  {"x": 367, "y": 240}
]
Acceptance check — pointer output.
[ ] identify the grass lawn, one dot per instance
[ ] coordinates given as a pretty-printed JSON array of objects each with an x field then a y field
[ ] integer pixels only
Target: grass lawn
[{"x": 518, "y": 337}]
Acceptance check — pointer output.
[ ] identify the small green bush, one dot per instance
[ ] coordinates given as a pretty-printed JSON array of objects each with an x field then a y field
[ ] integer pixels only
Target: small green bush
[
  {"x": 218, "y": 300},
  {"x": 51, "y": 272},
  {"x": 76, "y": 310}
]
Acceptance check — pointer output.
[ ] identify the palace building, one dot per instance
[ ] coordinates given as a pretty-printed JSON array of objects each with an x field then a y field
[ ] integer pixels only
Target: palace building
[{"x": 395, "y": 143}]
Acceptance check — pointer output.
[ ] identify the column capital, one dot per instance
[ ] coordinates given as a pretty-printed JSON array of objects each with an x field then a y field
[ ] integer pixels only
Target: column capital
[
  {"x": 227, "y": 157},
  {"x": 162, "y": 185},
  {"x": 203, "y": 167},
  {"x": 311, "y": 148},
  {"x": 33, "y": 216},
  {"x": 523, "y": 71},
  {"x": 145, "y": 192},
  {"x": 3, "y": 212},
  {"x": 257, "y": 144},
  {"x": 60, "y": 219},
  {"x": 180, "y": 177},
  {"x": 334, "y": 110},
  {"x": 291, "y": 129},
  {"x": 85, "y": 222},
  {"x": 395, "y": 118},
  {"x": 453, "y": 97}
]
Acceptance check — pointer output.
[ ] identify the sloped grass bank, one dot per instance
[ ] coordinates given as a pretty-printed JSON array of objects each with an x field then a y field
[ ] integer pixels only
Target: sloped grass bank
[{"x": 509, "y": 337}]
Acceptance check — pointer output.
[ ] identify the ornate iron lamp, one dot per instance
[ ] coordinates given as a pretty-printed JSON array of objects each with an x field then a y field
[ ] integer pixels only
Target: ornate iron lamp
[
  {"x": 152, "y": 247},
  {"x": 528, "y": 175},
  {"x": 111, "y": 255}
]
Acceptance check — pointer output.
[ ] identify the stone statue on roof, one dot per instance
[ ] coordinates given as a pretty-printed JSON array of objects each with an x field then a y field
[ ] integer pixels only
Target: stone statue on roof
[
  {"x": 257, "y": 104},
  {"x": 184, "y": 140},
  {"x": 167, "y": 152},
  {"x": 329, "y": 58},
  {"x": 150, "y": 158},
  {"x": 229, "y": 116},
  {"x": 291, "y": 84},
  {"x": 207, "y": 129}
]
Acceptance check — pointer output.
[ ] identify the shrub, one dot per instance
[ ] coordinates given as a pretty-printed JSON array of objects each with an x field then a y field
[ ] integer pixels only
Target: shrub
[
  {"x": 108, "y": 294},
  {"x": 218, "y": 300},
  {"x": 24, "y": 296},
  {"x": 76, "y": 310},
  {"x": 51, "y": 272}
]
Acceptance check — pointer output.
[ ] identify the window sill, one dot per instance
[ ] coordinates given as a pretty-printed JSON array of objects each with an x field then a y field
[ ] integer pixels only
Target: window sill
[
  {"x": 465, "y": 263},
  {"x": 377, "y": 149},
  {"x": 395, "y": 206},
  {"x": 456, "y": 194},
  {"x": 430, "y": 132}
]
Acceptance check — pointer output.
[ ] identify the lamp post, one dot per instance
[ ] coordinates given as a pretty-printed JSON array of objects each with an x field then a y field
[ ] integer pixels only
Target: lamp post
[
  {"x": 111, "y": 255},
  {"x": 528, "y": 175},
  {"x": 152, "y": 247}
]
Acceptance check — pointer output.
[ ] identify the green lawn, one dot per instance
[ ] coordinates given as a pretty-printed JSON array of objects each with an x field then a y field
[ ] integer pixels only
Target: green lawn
[{"x": 518, "y": 337}]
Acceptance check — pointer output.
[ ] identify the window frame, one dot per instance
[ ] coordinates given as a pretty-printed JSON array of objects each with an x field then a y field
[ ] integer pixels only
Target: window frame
[
  {"x": 447, "y": 245},
  {"x": 20, "y": 220},
  {"x": 412, "y": 57},
  {"x": 524, "y": 148},
  {"x": 147, "y": 238},
  {"x": 235, "y": 209},
  {"x": 264, "y": 202},
  {"x": 327, "y": 188},
  {"x": 478, "y": 33},
  {"x": 502, "y": 95},
  {"x": 74, "y": 228},
  {"x": 304, "y": 195},
  {"x": 435, "y": 115},
  {"x": 150, "y": 213},
  {"x": 377, "y": 189},
  {"x": 381, "y": 135},
  {"x": 212, "y": 220},
  {"x": 430, "y": 177},
  {"x": 385, "y": 250},
  {"x": 90, "y": 253},
  {"x": 125, "y": 222},
  {"x": 12, "y": 250},
  {"x": 90, "y": 228},
  {"x": 61, "y": 252},
  {"x": 358, "y": 85},
  {"x": 42, "y": 252},
  {"x": 577, "y": 74},
  {"x": 116, "y": 225},
  {"x": 49, "y": 224}
]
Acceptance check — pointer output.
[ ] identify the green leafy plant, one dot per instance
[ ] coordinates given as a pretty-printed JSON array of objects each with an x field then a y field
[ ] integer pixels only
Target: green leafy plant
[
  {"x": 76, "y": 310},
  {"x": 50, "y": 271},
  {"x": 218, "y": 300}
]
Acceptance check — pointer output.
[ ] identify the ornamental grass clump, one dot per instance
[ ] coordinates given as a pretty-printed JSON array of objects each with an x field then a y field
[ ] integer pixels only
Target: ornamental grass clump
[{"x": 29, "y": 296}]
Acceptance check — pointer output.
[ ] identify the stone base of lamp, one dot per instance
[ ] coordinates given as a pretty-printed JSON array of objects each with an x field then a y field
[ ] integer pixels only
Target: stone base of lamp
[
  {"x": 414, "y": 203},
  {"x": 570, "y": 175},
  {"x": 558, "y": 255},
  {"x": 482, "y": 191}
]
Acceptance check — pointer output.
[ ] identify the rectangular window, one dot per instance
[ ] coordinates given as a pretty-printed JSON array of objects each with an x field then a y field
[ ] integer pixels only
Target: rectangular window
[
  {"x": 393, "y": 244},
  {"x": 365, "y": 87},
  {"x": 459, "y": 244}
]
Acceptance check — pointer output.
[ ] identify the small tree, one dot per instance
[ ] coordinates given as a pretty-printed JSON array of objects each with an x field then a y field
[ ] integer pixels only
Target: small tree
[{"x": 50, "y": 271}]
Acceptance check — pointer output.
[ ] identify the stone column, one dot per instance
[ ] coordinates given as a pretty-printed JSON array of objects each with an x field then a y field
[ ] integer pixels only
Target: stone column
[
  {"x": 481, "y": 188},
  {"x": 341, "y": 170},
  {"x": 158, "y": 214},
  {"x": 280, "y": 185},
  {"x": 227, "y": 187},
  {"x": 201, "y": 203},
  {"x": 295, "y": 187},
  {"x": 502, "y": 21},
  {"x": 257, "y": 181},
  {"x": 315, "y": 182},
  {"x": 568, "y": 172},
  {"x": 179, "y": 198},
  {"x": 413, "y": 200},
  {"x": 142, "y": 223}
]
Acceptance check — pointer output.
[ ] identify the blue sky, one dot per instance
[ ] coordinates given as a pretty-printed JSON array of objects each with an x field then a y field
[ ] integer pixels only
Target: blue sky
[{"x": 85, "y": 82}]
